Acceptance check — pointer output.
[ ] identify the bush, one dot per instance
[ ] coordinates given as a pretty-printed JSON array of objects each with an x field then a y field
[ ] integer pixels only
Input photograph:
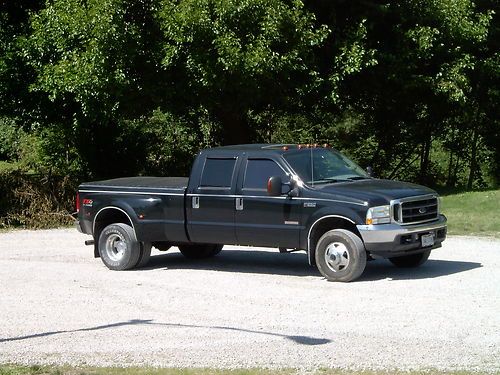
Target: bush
[
  {"x": 10, "y": 137},
  {"x": 35, "y": 201}
]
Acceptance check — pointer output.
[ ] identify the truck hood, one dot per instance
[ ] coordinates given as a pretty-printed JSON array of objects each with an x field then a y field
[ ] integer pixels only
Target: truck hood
[{"x": 374, "y": 191}]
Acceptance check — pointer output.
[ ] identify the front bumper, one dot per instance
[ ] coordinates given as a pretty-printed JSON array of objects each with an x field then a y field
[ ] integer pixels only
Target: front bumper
[{"x": 391, "y": 240}]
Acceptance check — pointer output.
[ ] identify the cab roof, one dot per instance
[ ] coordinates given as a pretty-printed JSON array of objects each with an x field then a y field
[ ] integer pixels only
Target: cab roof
[{"x": 276, "y": 147}]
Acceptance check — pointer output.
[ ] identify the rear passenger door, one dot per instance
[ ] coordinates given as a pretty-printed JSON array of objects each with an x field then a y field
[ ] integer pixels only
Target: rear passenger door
[
  {"x": 262, "y": 220},
  {"x": 211, "y": 203}
]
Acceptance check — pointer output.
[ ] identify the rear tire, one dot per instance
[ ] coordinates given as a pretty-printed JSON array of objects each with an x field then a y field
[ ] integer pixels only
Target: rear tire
[
  {"x": 340, "y": 255},
  {"x": 410, "y": 261},
  {"x": 200, "y": 251},
  {"x": 145, "y": 254},
  {"x": 118, "y": 247}
]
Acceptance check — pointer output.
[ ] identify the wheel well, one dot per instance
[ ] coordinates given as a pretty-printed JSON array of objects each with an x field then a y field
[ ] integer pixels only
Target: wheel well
[
  {"x": 324, "y": 226},
  {"x": 107, "y": 217}
]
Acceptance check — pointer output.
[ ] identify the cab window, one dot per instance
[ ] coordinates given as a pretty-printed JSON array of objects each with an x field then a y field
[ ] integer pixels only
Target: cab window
[
  {"x": 258, "y": 171},
  {"x": 218, "y": 173}
]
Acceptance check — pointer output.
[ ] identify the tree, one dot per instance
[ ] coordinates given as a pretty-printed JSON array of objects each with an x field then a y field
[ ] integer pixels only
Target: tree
[
  {"x": 422, "y": 62},
  {"x": 239, "y": 56}
]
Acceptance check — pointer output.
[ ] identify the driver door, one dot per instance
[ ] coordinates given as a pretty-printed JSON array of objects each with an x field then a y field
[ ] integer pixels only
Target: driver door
[{"x": 262, "y": 220}]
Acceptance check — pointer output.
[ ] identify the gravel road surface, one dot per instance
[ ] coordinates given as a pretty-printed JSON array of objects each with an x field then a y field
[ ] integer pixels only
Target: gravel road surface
[{"x": 246, "y": 308}]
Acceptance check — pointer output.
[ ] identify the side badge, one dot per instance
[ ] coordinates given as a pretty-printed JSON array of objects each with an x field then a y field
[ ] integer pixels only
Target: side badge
[
  {"x": 88, "y": 202},
  {"x": 310, "y": 204}
]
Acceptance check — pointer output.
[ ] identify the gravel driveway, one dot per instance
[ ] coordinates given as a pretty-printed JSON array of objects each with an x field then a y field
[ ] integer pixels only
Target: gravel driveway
[{"x": 246, "y": 308}]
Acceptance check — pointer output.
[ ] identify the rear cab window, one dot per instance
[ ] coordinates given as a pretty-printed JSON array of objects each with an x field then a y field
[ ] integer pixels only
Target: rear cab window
[{"x": 217, "y": 173}]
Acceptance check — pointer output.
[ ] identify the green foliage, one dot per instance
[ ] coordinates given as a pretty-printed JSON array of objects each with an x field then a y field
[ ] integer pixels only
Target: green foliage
[
  {"x": 246, "y": 39},
  {"x": 240, "y": 56},
  {"x": 43, "y": 151},
  {"x": 107, "y": 88},
  {"x": 10, "y": 137},
  {"x": 352, "y": 57},
  {"x": 170, "y": 143},
  {"x": 86, "y": 52}
]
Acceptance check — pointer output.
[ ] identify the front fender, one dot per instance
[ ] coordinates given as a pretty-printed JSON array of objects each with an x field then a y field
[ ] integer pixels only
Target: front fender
[{"x": 354, "y": 216}]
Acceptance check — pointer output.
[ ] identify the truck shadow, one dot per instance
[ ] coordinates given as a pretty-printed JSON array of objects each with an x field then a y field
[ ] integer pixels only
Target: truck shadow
[
  {"x": 295, "y": 264},
  {"x": 383, "y": 269},
  {"x": 241, "y": 261}
]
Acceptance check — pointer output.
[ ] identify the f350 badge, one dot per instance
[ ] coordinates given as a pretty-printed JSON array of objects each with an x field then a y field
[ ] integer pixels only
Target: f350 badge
[{"x": 88, "y": 202}]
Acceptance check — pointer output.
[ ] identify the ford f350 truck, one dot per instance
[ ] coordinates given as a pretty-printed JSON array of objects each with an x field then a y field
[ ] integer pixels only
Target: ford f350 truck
[{"x": 291, "y": 197}]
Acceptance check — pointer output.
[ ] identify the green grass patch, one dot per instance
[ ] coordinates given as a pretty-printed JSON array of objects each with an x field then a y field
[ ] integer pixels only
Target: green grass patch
[
  {"x": 49, "y": 370},
  {"x": 473, "y": 213}
]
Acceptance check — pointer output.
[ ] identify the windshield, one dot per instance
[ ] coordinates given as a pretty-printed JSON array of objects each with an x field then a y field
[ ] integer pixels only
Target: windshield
[{"x": 322, "y": 166}]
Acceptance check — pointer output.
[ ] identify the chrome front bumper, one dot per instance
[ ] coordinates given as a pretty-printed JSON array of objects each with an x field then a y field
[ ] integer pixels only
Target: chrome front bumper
[{"x": 394, "y": 239}]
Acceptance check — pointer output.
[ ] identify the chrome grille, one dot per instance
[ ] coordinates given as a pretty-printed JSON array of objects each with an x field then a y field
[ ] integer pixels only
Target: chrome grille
[{"x": 417, "y": 211}]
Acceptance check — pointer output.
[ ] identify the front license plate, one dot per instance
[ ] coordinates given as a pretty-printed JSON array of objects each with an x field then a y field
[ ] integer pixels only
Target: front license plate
[{"x": 427, "y": 240}]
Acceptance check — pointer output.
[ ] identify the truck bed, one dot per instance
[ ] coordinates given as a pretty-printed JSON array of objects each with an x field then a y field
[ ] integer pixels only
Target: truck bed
[{"x": 134, "y": 183}]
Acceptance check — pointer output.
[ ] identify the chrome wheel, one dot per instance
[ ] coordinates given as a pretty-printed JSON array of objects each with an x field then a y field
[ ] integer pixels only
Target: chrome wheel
[
  {"x": 115, "y": 247},
  {"x": 337, "y": 256},
  {"x": 119, "y": 248}
]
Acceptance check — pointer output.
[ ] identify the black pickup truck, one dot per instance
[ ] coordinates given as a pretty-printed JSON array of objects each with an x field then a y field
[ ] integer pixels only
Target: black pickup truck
[{"x": 291, "y": 197}]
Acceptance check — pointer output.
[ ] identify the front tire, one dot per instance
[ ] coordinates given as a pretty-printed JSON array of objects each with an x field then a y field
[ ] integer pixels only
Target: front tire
[
  {"x": 118, "y": 247},
  {"x": 411, "y": 261},
  {"x": 340, "y": 255},
  {"x": 200, "y": 251}
]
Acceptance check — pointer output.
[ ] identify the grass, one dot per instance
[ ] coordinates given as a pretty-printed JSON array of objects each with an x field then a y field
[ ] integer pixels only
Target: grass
[
  {"x": 473, "y": 213},
  {"x": 51, "y": 370}
]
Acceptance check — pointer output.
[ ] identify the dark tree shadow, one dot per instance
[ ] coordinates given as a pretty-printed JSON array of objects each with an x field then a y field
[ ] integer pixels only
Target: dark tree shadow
[
  {"x": 302, "y": 340},
  {"x": 295, "y": 264}
]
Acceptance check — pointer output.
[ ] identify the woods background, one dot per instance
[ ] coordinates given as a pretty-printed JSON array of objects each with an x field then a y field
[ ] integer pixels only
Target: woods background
[{"x": 105, "y": 88}]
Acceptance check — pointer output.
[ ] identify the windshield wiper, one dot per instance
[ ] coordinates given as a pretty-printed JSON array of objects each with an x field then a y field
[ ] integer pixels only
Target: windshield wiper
[
  {"x": 329, "y": 181},
  {"x": 354, "y": 178}
]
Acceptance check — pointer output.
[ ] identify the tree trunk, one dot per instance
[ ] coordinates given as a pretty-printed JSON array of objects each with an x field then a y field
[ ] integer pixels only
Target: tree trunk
[
  {"x": 450, "y": 169},
  {"x": 235, "y": 128},
  {"x": 402, "y": 162},
  {"x": 473, "y": 160},
  {"x": 424, "y": 161}
]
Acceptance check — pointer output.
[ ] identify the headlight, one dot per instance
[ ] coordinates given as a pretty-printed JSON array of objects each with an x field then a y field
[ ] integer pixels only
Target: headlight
[{"x": 378, "y": 215}]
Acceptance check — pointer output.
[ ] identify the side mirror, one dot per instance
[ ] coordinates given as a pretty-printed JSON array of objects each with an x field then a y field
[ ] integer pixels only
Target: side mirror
[
  {"x": 274, "y": 186},
  {"x": 369, "y": 171}
]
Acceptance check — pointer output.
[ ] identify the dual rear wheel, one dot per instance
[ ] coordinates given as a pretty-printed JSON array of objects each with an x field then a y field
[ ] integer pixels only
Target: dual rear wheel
[{"x": 119, "y": 249}]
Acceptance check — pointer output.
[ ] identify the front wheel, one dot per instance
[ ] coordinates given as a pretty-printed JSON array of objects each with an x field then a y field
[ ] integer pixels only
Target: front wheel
[
  {"x": 200, "y": 251},
  {"x": 340, "y": 255},
  {"x": 410, "y": 261}
]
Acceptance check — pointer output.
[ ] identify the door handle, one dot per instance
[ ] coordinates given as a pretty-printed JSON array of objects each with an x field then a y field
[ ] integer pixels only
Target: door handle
[
  {"x": 239, "y": 204},
  {"x": 196, "y": 202}
]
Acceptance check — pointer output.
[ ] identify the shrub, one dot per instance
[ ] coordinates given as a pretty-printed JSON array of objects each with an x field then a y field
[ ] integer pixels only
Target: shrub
[{"x": 35, "y": 201}]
